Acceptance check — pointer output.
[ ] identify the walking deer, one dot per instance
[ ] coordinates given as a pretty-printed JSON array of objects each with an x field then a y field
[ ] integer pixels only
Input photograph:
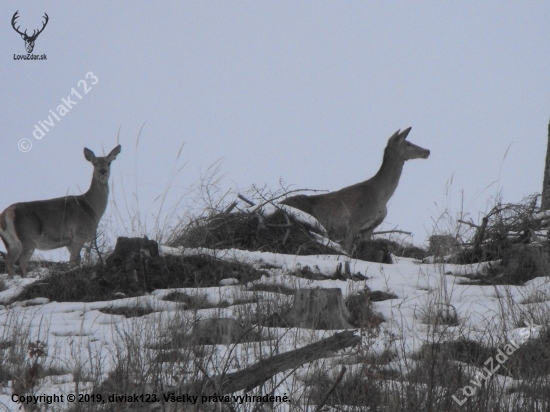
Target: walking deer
[
  {"x": 361, "y": 207},
  {"x": 68, "y": 221}
]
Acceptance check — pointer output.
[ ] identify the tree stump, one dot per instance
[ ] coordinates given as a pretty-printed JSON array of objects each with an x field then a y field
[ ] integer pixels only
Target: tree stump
[
  {"x": 131, "y": 259},
  {"x": 319, "y": 309},
  {"x": 127, "y": 247}
]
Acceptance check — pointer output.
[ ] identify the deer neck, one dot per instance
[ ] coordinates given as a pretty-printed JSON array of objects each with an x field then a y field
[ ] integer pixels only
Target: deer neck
[
  {"x": 387, "y": 177},
  {"x": 97, "y": 196}
]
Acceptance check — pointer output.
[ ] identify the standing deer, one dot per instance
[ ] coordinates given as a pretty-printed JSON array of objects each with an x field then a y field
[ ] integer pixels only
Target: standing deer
[
  {"x": 362, "y": 206},
  {"x": 68, "y": 221}
]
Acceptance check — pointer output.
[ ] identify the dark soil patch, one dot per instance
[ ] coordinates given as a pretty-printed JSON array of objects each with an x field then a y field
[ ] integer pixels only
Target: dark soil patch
[
  {"x": 528, "y": 363},
  {"x": 380, "y": 250},
  {"x": 519, "y": 264},
  {"x": 192, "y": 301},
  {"x": 359, "y": 389},
  {"x": 129, "y": 312},
  {"x": 532, "y": 359},
  {"x": 373, "y": 251},
  {"x": 360, "y": 308},
  {"x": 305, "y": 272},
  {"x": 462, "y": 350},
  {"x": 342, "y": 273}
]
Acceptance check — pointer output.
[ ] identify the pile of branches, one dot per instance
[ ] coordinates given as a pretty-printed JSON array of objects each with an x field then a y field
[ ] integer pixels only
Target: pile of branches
[
  {"x": 249, "y": 229},
  {"x": 503, "y": 227}
]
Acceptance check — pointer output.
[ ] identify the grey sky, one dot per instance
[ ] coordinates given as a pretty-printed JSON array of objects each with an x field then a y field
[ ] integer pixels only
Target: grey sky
[{"x": 304, "y": 91}]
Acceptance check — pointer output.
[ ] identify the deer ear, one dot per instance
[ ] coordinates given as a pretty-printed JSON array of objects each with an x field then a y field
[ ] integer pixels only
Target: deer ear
[
  {"x": 112, "y": 156},
  {"x": 403, "y": 135},
  {"x": 394, "y": 137},
  {"x": 89, "y": 155},
  {"x": 23, "y": 36}
]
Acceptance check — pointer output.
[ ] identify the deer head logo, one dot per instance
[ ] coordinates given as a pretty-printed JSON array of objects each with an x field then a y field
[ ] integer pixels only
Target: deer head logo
[{"x": 29, "y": 40}]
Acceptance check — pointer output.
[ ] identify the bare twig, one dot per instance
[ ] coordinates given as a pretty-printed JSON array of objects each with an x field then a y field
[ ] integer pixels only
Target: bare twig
[
  {"x": 273, "y": 199},
  {"x": 471, "y": 224},
  {"x": 244, "y": 199},
  {"x": 392, "y": 231},
  {"x": 288, "y": 230},
  {"x": 331, "y": 389},
  {"x": 230, "y": 208},
  {"x": 99, "y": 254}
]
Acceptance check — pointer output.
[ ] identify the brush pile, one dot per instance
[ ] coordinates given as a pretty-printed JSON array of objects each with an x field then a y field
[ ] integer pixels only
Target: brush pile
[
  {"x": 268, "y": 228},
  {"x": 506, "y": 225},
  {"x": 515, "y": 235}
]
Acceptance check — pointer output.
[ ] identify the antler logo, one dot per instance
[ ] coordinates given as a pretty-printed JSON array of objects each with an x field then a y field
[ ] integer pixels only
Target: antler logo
[{"x": 29, "y": 40}]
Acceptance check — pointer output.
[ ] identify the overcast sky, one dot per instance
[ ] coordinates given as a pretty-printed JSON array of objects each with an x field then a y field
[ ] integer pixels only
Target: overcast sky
[{"x": 307, "y": 92}]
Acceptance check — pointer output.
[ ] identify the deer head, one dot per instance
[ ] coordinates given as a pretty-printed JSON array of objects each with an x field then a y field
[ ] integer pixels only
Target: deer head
[
  {"x": 29, "y": 40},
  {"x": 405, "y": 149},
  {"x": 102, "y": 165}
]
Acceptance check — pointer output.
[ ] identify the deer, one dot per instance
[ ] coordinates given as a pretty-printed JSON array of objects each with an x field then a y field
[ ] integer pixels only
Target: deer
[
  {"x": 360, "y": 208},
  {"x": 29, "y": 40},
  {"x": 68, "y": 221}
]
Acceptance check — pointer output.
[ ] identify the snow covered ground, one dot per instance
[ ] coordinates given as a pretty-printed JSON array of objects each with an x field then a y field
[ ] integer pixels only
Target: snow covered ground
[{"x": 80, "y": 337}]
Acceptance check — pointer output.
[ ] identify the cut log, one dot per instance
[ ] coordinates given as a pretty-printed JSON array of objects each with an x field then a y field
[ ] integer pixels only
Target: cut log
[
  {"x": 247, "y": 379},
  {"x": 319, "y": 309}
]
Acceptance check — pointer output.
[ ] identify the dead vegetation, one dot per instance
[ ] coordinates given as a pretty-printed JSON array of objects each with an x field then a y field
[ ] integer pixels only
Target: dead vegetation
[
  {"x": 279, "y": 233},
  {"x": 512, "y": 236},
  {"x": 505, "y": 225},
  {"x": 437, "y": 372},
  {"x": 380, "y": 250},
  {"x": 133, "y": 272}
]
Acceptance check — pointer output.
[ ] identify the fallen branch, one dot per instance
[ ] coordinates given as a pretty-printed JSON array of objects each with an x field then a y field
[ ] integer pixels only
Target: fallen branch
[{"x": 263, "y": 370}]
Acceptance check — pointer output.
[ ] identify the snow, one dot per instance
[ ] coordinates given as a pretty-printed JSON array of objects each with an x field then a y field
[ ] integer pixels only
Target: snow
[{"x": 78, "y": 335}]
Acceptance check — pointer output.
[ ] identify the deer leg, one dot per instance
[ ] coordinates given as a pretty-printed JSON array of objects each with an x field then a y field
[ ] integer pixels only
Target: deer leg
[
  {"x": 24, "y": 258},
  {"x": 13, "y": 245},
  {"x": 366, "y": 234},
  {"x": 74, "y": 250},
  {"x": 349, "y": 240},
  {"x": 14, "y": 250}
]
